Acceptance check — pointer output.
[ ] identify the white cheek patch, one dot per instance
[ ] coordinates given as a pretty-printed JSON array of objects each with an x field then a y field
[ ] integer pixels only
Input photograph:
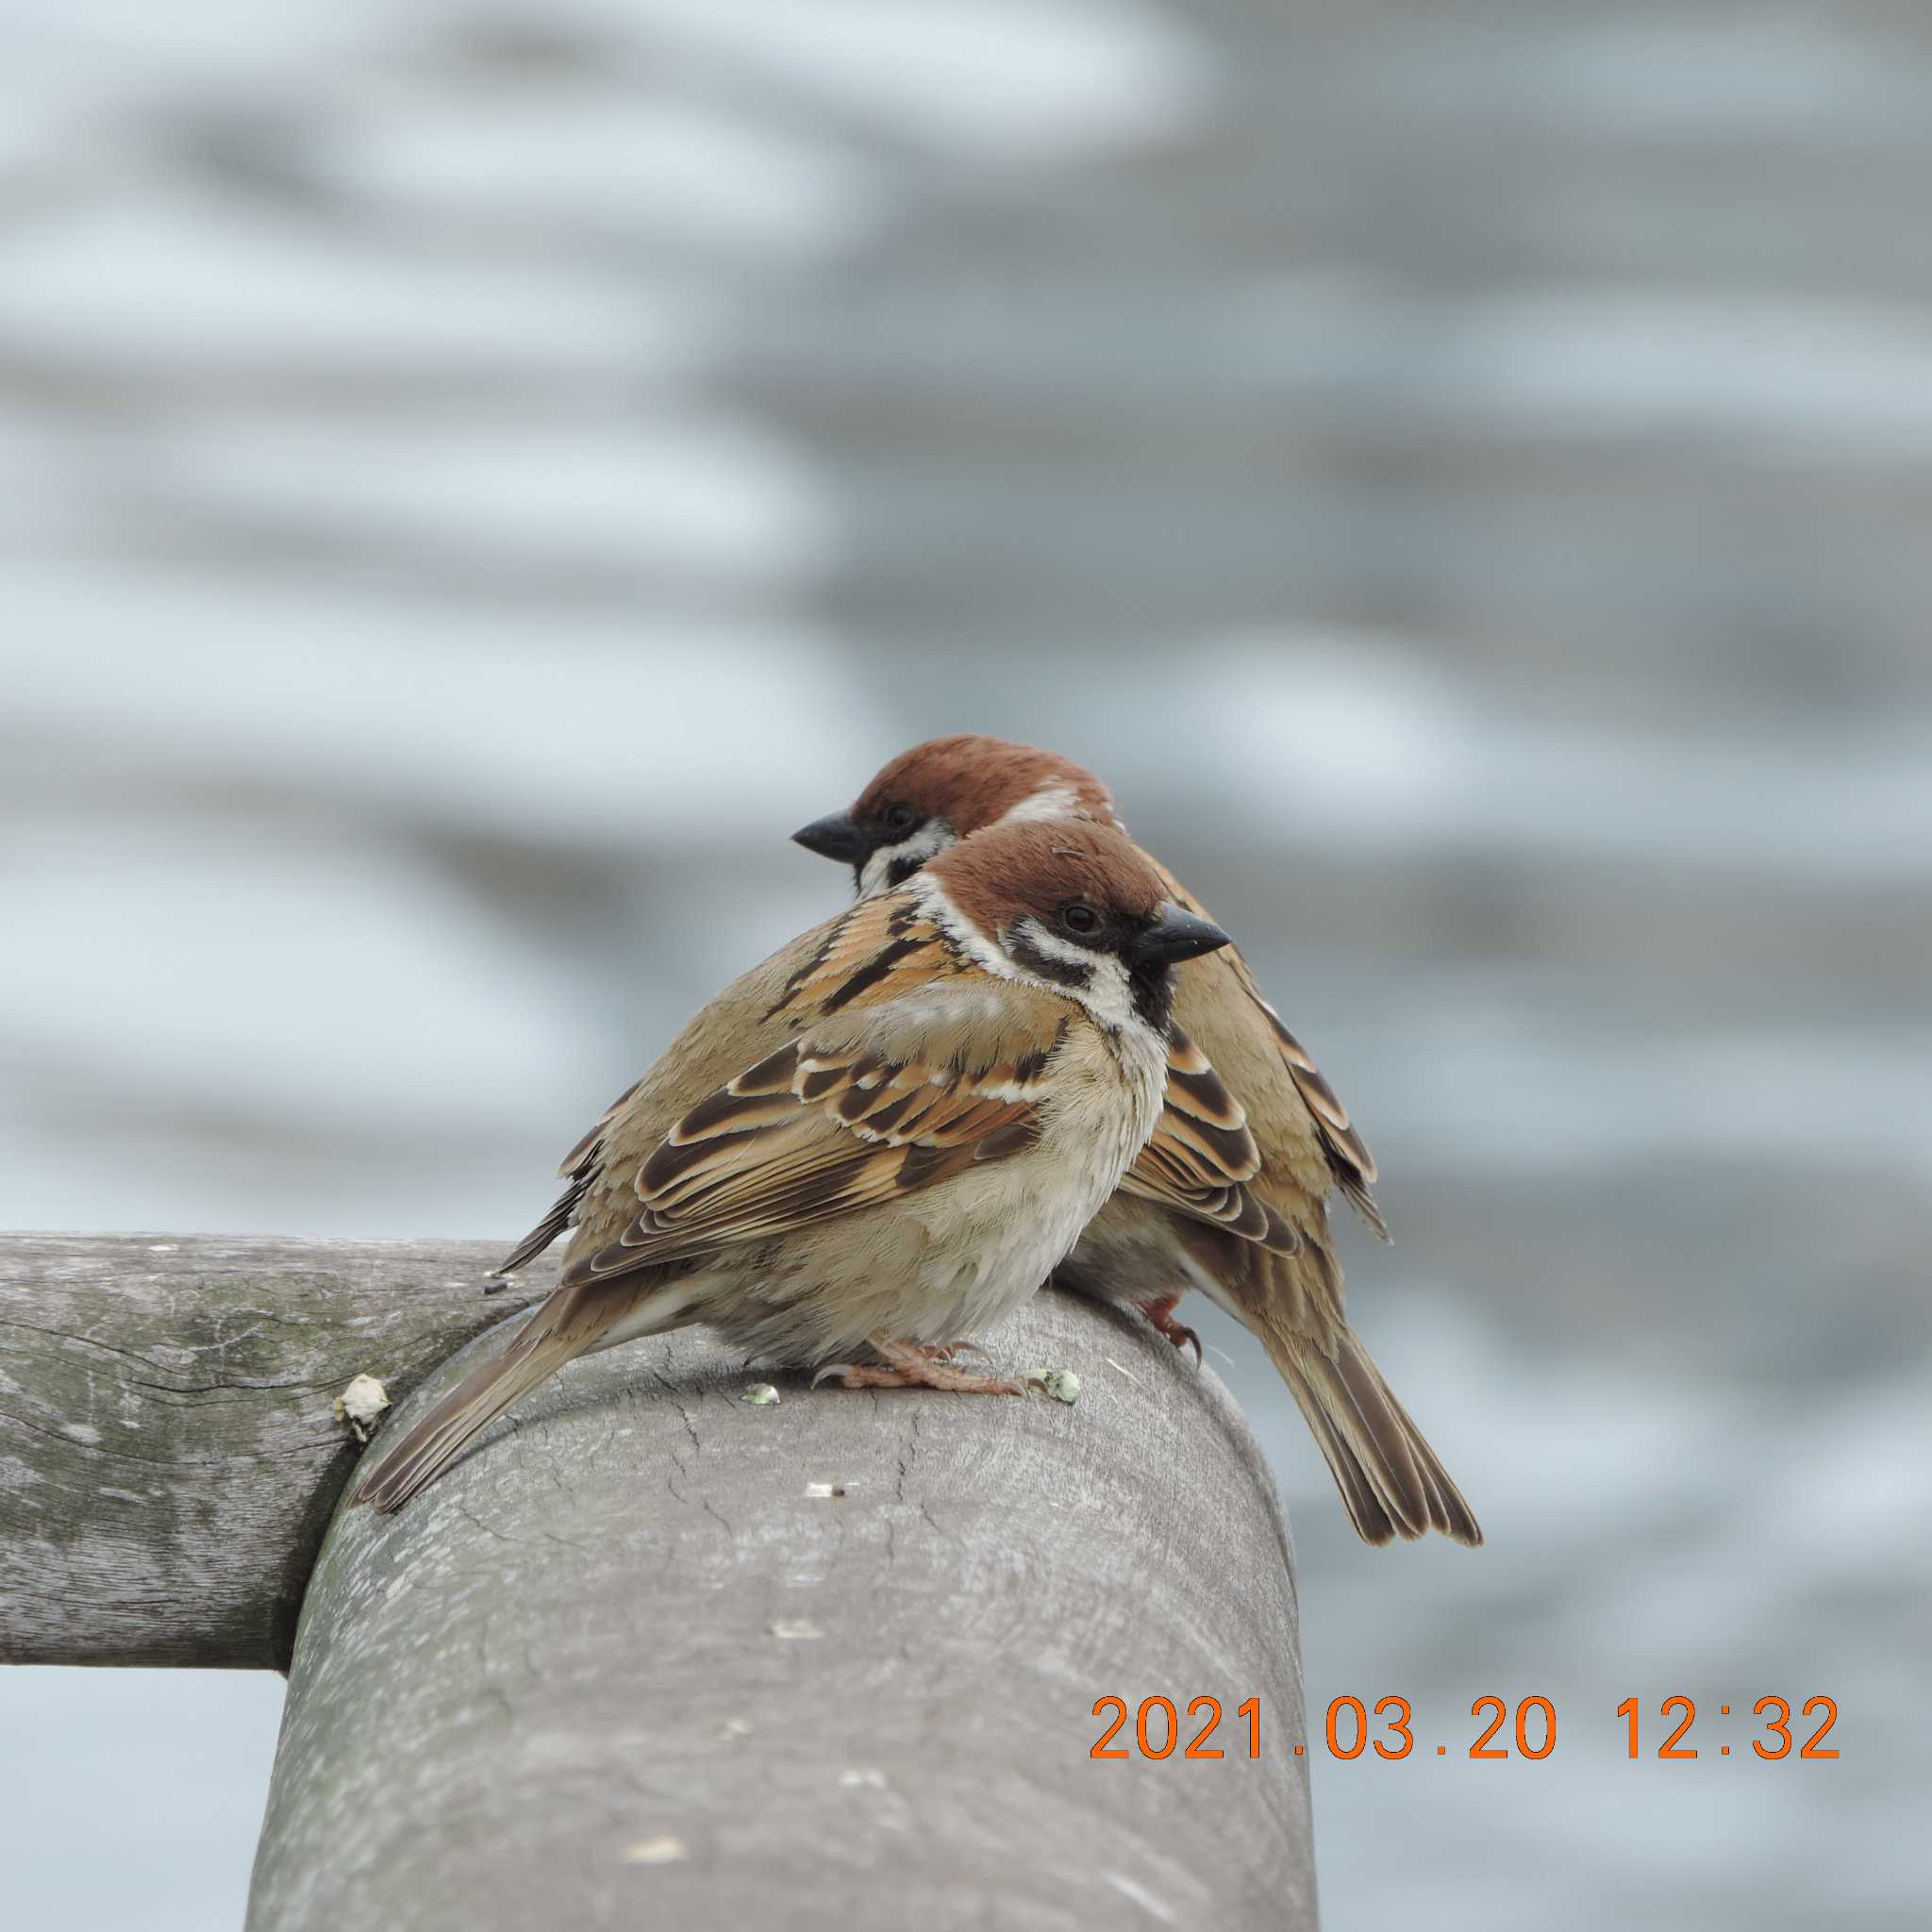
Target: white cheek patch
[
  {"x": 927, "y": 842},
  {"x": 1107, "y": 993},
  {"x": 960, "y": 929}
]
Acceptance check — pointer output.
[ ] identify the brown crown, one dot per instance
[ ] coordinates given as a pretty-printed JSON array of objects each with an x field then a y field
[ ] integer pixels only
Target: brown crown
[
  {"x": 1037, "y": 865},
  {"x": 971, "y": 781}
]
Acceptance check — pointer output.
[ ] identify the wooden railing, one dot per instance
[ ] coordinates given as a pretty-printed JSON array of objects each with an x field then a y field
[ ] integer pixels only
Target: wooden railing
[{"x": 651, "y": 1654}]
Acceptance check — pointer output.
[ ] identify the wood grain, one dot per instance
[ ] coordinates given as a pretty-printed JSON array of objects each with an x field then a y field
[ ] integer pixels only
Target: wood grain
[
  {"x": 636, "y": 1661},
  {"x": 649, "y": 1652},
  {"x": 169, "y": 1455}
]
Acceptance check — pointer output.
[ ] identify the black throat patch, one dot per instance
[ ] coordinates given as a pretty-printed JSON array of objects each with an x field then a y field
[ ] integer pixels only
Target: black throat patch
[{"x": 1153, "y": 993}]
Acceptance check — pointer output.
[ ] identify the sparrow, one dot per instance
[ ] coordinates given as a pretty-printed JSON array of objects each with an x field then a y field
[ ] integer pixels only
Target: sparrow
[
  {"x": 1270, "y": 1262},
  {"x": 881, "y": 1139}
]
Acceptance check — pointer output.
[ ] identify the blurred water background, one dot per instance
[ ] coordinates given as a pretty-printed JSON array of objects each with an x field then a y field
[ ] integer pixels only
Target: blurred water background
[{"x": 475, "y": 476}]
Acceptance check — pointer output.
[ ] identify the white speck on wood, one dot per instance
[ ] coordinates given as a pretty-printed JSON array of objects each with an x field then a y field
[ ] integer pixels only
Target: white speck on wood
[
  {"x": 656, "y": 1851},
  {"x": 1061, "y": 1384},
  {"x": 360, "y": 1404},
  {"x": 1132, "y": 1888}
]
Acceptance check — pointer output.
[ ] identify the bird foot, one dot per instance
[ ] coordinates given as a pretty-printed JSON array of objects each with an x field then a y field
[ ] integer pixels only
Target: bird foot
[
  {"x": 1160, "y": 1314},
  {"x": 908, "y": 1366}
]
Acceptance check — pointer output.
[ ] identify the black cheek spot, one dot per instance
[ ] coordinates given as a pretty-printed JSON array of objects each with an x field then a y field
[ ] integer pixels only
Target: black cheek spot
[{"x": 1061, "y": 972}]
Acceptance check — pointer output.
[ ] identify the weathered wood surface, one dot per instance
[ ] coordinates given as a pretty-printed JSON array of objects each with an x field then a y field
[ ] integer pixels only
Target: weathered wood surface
[
  {"x": 636, "y": 1661},
  {"x": 169, "y": 1455}
]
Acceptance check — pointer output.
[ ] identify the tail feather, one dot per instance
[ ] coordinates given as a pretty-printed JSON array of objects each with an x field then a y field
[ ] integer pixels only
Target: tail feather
[
  {"x": 430, "y": 1448},
  {"x": 1390, "y": 1480}
]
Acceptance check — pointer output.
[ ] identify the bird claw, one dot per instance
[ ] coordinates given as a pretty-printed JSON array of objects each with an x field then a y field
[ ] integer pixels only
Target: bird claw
[
  {"x": 952, "y": 1351},
  {"x": 1160, "y": 1314}
]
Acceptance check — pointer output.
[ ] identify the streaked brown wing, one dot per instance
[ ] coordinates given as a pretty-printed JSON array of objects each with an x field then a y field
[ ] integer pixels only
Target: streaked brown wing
[
  {"x": 880, "y": 949},
  {"x": 1202, "y": 1151},
  {"x": 1346, "y": 1153},
  {"x": 857, "y": 1111}
]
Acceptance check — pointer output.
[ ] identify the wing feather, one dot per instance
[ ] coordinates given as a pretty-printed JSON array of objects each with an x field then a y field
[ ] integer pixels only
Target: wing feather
[
  {"x": 877, "y": 950},
  {"x": 866, "y": 1107},
  {"x": 882, "y": 948},
  {"x": 1350, "y": 1164},
  {"x": 1202, "y": 1153}
]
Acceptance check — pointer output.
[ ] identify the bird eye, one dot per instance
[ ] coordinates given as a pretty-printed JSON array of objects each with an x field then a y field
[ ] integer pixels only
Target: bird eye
[
  {"x": 1078, "y": 916},
  {"x": 899, "y": 818}
]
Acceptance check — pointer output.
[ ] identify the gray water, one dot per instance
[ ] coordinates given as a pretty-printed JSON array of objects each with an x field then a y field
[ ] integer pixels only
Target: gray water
[{"x": 474, "y": 480}]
